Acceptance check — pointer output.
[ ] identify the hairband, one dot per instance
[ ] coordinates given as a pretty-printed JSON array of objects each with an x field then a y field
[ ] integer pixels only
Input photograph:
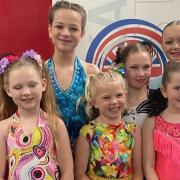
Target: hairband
[{"x": 5, "y": 61}]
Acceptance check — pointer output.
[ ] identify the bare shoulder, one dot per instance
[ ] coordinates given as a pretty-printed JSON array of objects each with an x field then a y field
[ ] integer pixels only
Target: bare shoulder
[
  {"x": 4, "y": 126},
  {"x": 60, "y": 126},
  {"x": 60, "y": 123},
  {"x": 90, "y": 68},
  {"x": 148, "y": 124}
]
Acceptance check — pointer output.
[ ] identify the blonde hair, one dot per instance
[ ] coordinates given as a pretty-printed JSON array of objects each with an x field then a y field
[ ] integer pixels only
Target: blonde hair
[
  {"x": 47, "y": 104},
  {"x": 90, "y": 89}
]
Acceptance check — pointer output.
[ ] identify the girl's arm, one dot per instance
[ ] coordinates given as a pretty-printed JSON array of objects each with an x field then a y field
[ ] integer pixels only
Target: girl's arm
[
  {"x": 81, "y": 158},
  {"x": 64, "y": 155},
  {"x": 3, "y": 138},
  {"x": 148, "y": 150},
  {"x": 137, "y": 156}
]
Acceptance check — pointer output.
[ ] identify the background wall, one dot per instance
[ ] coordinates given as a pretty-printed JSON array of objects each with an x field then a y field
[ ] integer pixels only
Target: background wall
[{"x": 24, "y": 25}]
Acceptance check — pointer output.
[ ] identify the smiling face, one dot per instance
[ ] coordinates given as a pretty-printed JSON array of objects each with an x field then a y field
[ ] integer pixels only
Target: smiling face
[
  {"x": 65, "y": 30},
  {"x": 171, "y": 42},
  {"x": 138, "y": 69},
  {"x": 25, "y": 87},
  {"x": 110, "y": 100}
]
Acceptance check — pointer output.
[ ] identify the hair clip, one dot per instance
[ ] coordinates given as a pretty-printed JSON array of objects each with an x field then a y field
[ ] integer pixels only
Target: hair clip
[
  {"x": 120, "y": 69},
  {"x": 33, "y": 55},
  {"x": 5, "y": 61}
]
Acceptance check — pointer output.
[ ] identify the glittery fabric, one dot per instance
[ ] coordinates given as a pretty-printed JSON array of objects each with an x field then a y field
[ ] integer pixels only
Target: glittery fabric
[
  {"x": 111, "y": 149},
  {"x": 73, "y": 117},
  {"x": 31, "y": 155},
  {"x": 166, "y": 142}
]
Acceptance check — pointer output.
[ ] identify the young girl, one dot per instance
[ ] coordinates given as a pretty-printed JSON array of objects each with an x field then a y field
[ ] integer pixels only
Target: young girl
[
  {"x": 170, "y": 46},
  {"x": 67, "y": 72},
  {"x": 34, "y": 139},
  {"x": 136, "y": 59},
  {"x": 107, "y": 148},
  {"x": 161, "y": 134}
]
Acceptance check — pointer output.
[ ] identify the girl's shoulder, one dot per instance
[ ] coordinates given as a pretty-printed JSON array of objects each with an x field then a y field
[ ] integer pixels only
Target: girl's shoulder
[
  {"x": 4, "y": 126},
  {"x": 149, "y": 124},
  {"x": 90, "y": 68}
]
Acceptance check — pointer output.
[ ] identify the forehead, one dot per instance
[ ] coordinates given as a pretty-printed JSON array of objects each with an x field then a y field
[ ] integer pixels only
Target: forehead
[
  {"x": 175, "y": 77},
  {"x": 104, "y": 86},
  {"x": 67, "y": 15},
  {"x": 138, "y": 57},
  {"x": 23, "y": 74},
  {"x": 172, "y": 31}
]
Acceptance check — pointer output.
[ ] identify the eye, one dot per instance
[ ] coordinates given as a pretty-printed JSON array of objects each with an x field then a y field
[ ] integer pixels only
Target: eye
[
  {"x": 133, "y": 67},
  {"x": 168, "y": 42},
  {"x": 74, "y": 29},
  {"x": 106, "y": 97},
  {"x": 147, "y": 66},
  {"x": 17, "y": 87},
  {"x": 177, "y": 88},
  {"x": 33, "y": 84},
  {"x": 119, "y": 95},
  {"x": 59, "y": 26}
]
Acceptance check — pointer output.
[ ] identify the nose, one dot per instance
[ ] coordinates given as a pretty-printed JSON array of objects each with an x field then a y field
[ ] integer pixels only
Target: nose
[
  {"x": 114, "y": 100},
  {"x": 66, "y": 32},
  {"x": 176, "y": 44},
  {"x": 26, "y": 91},
  {"x": 141, "y": 72}
]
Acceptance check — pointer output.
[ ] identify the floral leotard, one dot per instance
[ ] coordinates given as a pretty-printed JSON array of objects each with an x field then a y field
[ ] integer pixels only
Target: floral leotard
[
  {"x": 110, "y": 150},
  {"x": 31, "y": 155}
]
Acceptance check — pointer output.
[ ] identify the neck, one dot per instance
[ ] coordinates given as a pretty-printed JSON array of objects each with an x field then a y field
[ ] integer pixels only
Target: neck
[
  {"x": 63, "y": 58},
  {"x": 136, "y": 96},
  {"x": 106, "y": 120},
  {"x": 171, "y": 114},
  {"x": 30, "y": 114}
]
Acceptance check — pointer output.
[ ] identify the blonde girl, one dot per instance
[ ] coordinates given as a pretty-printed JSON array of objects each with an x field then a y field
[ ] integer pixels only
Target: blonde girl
[
  {"x": 32, "y": 138},
  {"x": 107, "y": 147}
]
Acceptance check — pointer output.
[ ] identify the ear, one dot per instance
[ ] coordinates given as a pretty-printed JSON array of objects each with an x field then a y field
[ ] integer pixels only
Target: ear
[
  {"x": 6, "y": 88},
  {"x": 49, "y": 30},
  {"x": 92, "y": 102},
  {"x": 82, "y": 35},
  {"x": 163, "y": 91},
  {"x": 44, "y": 84}
]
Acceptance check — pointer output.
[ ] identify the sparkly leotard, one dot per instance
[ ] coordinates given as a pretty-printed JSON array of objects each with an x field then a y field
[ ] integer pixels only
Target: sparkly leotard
[
  {"x": 73, "y": 117},
  {"x": 166, "y": 140},
  {"x": 31, "y": 155}
]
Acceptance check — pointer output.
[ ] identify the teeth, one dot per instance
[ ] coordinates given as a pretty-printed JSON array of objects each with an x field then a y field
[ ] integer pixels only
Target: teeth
[{"x": 114, "y": 109}]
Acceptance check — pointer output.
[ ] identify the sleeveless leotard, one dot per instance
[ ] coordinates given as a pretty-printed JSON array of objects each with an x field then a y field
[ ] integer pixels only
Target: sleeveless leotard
[
  {"x": 166, "y": 138},
  {"x": 31, "y": 155},
  {"x": 73, "y": 117}
]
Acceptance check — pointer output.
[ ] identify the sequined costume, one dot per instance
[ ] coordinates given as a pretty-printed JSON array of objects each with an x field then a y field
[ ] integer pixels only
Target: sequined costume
[
  {"x": 111, "y": 149},
  {"x": 31, "y": 155},
  {"x": 166, "y": 138},
  {"x": 73, "y": 117}
]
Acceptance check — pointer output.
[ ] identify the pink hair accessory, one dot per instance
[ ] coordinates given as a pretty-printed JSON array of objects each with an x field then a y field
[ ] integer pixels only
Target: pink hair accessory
[{"x": 33, "y": 55}]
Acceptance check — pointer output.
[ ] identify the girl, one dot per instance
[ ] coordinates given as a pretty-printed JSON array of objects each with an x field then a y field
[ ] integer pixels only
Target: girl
[
  {"x": 32, "y": 136},
  {"x": 67, "y": 72},
  {"x": 107, "y": 148},
  {"x": 136, "y": 59},
  {"x": 161, "y": 137},
  {"x": 170, "y": 46}
]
